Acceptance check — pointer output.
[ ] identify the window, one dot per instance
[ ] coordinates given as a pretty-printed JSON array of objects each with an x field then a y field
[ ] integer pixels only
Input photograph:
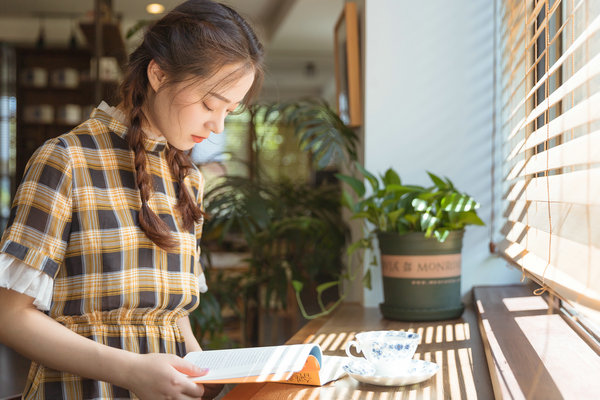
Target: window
[
  {"x": 248, "y": 147},
  {"x": 550, "y": 119}
]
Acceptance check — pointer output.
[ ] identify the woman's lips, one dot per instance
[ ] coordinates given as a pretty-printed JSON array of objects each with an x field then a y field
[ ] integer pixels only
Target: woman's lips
[{"x": 197, "y": 139}]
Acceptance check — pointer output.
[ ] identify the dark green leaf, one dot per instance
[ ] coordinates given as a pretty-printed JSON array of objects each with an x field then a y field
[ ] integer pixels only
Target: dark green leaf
[{"x": 355, "y": 184}]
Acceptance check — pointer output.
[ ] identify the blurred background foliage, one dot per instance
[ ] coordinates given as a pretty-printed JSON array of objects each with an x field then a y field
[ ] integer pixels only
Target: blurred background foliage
[{"x": 272, "y": 196}]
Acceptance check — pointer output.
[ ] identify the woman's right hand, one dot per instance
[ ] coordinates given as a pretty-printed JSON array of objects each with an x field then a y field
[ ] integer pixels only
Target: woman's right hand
[{"x": 164, "y": 376}]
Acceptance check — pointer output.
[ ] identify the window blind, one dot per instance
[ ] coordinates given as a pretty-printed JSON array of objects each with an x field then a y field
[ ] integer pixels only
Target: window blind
[{"x": 550, "y": 127}]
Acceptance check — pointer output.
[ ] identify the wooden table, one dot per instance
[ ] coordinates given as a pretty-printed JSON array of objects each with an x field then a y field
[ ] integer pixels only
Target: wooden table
[{"x": 454, "y": 344}]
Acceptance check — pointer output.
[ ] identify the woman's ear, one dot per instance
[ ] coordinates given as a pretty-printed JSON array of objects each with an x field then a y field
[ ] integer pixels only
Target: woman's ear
[{"x": 156, "y": 76}]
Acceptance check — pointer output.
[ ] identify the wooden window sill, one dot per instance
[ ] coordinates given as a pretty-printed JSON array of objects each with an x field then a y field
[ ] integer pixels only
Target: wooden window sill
[{"x": 532, "y": 351}]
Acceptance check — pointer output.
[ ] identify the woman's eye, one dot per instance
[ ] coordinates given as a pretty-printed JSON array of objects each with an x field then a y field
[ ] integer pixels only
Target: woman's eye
[{"x": 207, "y": 107}]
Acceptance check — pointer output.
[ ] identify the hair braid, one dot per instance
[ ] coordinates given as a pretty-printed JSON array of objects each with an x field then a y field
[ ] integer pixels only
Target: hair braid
[
  {"x": 154, "y": 227},
  {"x": 180, "y": 164}
]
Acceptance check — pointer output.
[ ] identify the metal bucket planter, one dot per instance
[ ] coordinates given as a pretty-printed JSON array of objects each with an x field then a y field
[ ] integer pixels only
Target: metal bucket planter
[{"x": 421, "y": 276}]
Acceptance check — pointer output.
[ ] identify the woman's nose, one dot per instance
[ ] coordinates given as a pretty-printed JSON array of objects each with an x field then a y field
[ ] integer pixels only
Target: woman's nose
[{"x": 216, "y": 124}]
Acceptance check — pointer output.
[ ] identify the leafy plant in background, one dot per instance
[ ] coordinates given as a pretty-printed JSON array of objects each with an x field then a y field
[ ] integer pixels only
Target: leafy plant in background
[
  {"x": 393, "y": 207},
  {"x": 294, "y": 231},
  {"x": 319, "y": 130}
]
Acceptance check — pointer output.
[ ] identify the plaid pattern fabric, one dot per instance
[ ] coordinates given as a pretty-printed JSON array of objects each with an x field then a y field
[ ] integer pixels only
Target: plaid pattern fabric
[{"x": 74, "y": 217}]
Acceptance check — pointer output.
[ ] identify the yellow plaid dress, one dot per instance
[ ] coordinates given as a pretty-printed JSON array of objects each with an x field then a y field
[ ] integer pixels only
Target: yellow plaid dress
[{"x": 74, "y": 218}]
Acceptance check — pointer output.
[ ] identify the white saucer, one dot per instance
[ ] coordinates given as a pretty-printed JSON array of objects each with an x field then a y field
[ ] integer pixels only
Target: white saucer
[{"x": 417, "y": 371}]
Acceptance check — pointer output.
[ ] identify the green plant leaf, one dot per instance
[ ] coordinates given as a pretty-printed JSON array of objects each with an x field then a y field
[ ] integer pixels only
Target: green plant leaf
[
  {"x": 347, "y": 201},
  {"x": 355, "y": 184},
  {"x": 297, "y": 285},
  {"x": 441, "y": 234},
  {"x": 420, "y": 205},
  {"x": 437, "y": 181},
  {"x": 361, "y": 214},
  {"x": 370, "y": 177},
  {"x": 458, "y": 202},
  {"x": 468, "y": 218},
  {"x": 359, "y": 244},
  {"x": 393, "y": 216},
  {"x": 399, "y": 189},
  {"x": 366, "y": 280},
  {"x": 391, "y": 178},
  {"x": 428, "y": 222}
]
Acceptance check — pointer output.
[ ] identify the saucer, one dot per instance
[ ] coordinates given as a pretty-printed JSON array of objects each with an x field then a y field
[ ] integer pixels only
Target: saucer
[{"x": 417, "y": 371}]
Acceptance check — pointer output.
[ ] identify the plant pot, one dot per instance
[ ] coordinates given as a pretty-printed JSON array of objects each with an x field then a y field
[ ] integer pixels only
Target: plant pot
[{"x": 421, "y": 276}]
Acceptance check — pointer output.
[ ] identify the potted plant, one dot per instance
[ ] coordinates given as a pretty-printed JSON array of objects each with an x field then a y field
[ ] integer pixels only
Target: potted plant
[{"x": 420, "y": 231}]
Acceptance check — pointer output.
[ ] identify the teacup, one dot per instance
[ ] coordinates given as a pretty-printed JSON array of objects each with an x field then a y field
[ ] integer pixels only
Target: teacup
[{"x": 388, "y": 351}]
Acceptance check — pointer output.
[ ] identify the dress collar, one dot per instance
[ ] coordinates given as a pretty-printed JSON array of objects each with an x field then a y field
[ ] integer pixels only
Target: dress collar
[{"x": 115, "y": 121}]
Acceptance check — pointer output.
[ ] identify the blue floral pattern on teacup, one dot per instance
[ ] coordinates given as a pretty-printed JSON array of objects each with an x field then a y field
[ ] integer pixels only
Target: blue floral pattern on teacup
[
  {"x": 386, "y": 350},
  {"x": 388, "y": 345}
]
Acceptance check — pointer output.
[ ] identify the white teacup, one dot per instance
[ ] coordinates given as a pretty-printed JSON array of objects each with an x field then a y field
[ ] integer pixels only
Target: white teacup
[{"x": 387, "y": 351}]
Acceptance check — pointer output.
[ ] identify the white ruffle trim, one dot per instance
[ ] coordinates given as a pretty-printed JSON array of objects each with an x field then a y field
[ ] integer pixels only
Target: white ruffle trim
[
  {"x": 202, "y": 283},
  {"x": 20, "y": 277}
]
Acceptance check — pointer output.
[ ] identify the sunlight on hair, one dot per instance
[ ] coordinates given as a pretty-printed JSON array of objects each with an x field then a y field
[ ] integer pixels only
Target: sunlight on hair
[{"x": 528, "y": 303}]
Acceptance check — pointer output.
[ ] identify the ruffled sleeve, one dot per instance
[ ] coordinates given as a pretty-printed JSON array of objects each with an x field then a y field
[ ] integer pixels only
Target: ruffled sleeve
[{"x": 20, "y": 277}]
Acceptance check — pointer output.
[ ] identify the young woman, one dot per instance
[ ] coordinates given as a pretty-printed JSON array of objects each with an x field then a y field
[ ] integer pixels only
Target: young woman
[{"x": 99, "y": 264}]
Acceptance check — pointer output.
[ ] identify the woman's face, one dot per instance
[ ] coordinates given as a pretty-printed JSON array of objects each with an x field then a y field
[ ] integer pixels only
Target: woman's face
[{"x": 187, "y": 113}]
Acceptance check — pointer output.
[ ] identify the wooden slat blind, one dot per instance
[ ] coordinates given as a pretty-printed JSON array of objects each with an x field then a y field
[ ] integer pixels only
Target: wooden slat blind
[{"x": 550, "y": 123}]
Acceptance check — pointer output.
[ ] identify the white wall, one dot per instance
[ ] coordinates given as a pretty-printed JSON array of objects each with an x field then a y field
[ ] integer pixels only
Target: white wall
[{"x": 428, "y": 106}]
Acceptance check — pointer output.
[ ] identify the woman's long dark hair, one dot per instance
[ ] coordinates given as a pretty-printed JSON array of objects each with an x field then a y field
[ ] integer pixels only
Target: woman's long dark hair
[{"x": 194, "y": 40}]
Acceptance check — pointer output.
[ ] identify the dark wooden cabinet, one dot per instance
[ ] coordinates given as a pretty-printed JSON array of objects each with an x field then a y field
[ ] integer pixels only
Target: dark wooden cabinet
[{"x": 32, "y": 133}]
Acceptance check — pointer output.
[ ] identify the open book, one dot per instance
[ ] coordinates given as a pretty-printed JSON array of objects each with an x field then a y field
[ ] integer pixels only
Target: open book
[{"x": 302, "y": 364}]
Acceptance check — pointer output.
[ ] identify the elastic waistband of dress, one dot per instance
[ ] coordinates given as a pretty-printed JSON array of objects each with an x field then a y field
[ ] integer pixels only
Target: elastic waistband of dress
[{"x": 123, "y": 317}]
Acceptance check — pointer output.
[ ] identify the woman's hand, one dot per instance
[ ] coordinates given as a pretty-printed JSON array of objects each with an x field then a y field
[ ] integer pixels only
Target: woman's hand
[{"x": 164, "y": 376}]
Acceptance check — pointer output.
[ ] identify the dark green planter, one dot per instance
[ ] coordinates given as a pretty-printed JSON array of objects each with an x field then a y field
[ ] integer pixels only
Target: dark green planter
[{"x": 421, "y": 276}]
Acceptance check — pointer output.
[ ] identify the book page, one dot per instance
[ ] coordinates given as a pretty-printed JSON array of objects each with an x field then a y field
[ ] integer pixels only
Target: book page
[
  {"x": 254, "y": 361},
  {"x": 331, "y": 369}
]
